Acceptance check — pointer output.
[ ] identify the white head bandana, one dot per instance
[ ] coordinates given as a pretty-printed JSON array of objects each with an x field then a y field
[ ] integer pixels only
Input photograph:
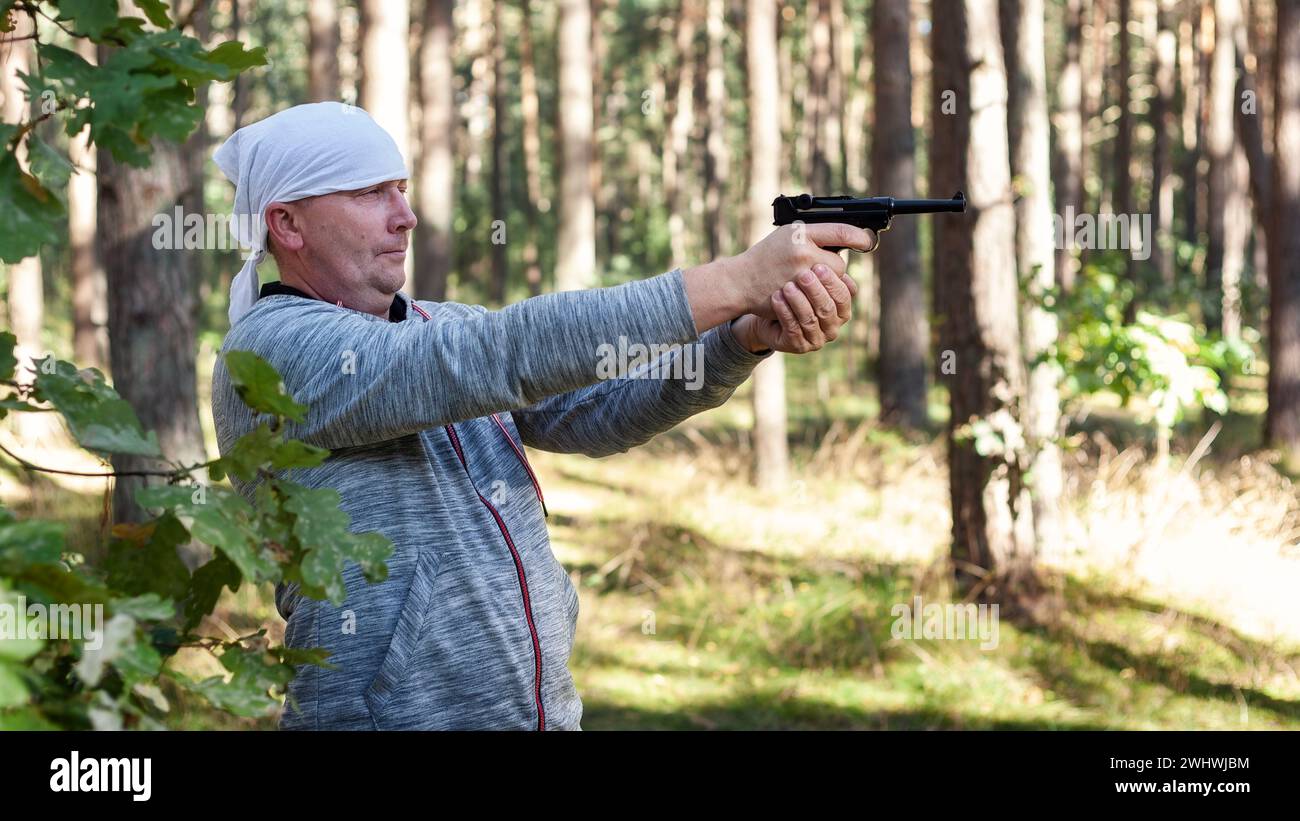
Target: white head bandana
[{"x": 304, "y": 151}]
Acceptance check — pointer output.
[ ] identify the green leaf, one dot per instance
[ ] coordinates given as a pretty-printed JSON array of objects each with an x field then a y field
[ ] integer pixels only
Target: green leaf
[
  {"x": 254, "y": 675},
  {"x": 98, "y": 418},
  {"x": 174, "y": 115},
  {"x": 31, "y": 542},
  {"x": 261, "y": 446},
  {"x": 111, "y": 640},
  {"x": 321, "y": 527},
  {"x": 51, "y": 583},
  {"x": 146, "y": 607},
  {"x": 32, "y": 214},
  {"x": 156, "y": 11},
  {"x": 137, "y": 663},
  {"x": 25, "y": 718},
  {"x": 13, "y": 690},
  {"x": 259, "y": 385},
  {"x": 50, "y": 167},
  {"x": 91, "y": 17},
  {"x": 8, "y": 362},
  {"x": 15, "y": 647},
  {"x": 205, "y": 588},
  {"x": 219, "y": 517},
  {"x": 315, "y": 656},
  {"x": 233, "y": 55},
  {"x": 142, "y": 558}
]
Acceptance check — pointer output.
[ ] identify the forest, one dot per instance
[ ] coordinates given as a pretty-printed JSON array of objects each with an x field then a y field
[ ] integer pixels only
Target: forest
[{"x": 1073, "y": 408}]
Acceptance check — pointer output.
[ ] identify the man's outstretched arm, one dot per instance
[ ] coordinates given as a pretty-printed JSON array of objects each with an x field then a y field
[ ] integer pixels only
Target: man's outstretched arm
[{"x": 618, "y": 414}]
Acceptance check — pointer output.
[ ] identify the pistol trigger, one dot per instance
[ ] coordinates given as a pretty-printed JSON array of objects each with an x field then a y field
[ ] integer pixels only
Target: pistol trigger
[{"x": 834, "y": 248}]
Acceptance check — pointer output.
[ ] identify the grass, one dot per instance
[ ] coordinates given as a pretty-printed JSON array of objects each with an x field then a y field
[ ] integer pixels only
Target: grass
[{"x": 704, "y": 605}]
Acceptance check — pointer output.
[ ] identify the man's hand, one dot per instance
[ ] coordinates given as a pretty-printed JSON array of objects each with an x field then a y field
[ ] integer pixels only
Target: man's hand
[
  {"x": 732, "y": 286},
  {"x": 809, "y": 310}
]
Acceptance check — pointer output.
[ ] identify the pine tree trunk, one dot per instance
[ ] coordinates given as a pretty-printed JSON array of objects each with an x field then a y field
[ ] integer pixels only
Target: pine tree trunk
[
  {"x": 1123, "y": 199},
  {"x": 1284, "y": 261},
  {"x": 26, "y": 298},
  {"x": 1035, "y": 256},
  {"x": 975, "y": 262},
  {"x": 385, "y": 82},
  {"x": 718, "y": 164},
  {"x": 435, "y": 194},
  {"x": 575, "y": 266},
  {"x": 530, "y": 110},
  {"x": 89, "y": 289},
  {"x": 1226, "y": 214},
  {"x": 499, "y": 170},
  {"x": 1162, "y": 180},
  {"x": 681, "y": 93},
  {"x": 904, "y": 326},
  {"x": 818, "y": 114},
  {"x": 322, "y": 51},
  {"x": 152, "y": 310},
  {"x": 771, "y": 450},
  {"x": 1067, "y": 174}
]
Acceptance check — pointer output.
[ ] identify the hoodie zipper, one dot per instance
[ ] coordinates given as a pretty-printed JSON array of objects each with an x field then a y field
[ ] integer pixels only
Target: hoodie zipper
[
  {"x": 523, "y": 584},
  {"x": 510, "y": 543},
  {"x": 537, "y": 487}
]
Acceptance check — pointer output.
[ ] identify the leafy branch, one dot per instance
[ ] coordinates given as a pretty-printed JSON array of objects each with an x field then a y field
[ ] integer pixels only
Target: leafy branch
[{"x": 271, "y": 530}]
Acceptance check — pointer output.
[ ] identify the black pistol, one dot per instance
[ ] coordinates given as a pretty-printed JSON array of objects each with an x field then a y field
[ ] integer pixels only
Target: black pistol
[{"x": 866, "y": 212}]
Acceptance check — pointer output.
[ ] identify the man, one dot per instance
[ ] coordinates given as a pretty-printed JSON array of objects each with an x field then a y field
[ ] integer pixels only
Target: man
[{"x": 428, "y": 406}]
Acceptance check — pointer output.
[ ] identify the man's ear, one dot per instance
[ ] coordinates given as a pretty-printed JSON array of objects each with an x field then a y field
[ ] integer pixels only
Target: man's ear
[{"x": 283, "y": 228}]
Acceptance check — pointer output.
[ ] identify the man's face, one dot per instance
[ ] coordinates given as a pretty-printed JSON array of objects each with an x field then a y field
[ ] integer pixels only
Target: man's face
[{"x": 349, "y": 245}]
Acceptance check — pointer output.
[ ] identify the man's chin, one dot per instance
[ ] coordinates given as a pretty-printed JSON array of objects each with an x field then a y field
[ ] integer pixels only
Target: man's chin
[{"x": 392, "y": 277}]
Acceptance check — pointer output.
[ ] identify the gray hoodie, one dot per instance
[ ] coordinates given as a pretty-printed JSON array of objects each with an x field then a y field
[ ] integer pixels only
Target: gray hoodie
[{"x": 427, "y": 418}]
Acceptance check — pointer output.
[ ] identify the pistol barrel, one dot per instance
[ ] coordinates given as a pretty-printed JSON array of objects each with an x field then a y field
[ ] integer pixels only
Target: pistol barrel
[{"x": 957, "y": 205}]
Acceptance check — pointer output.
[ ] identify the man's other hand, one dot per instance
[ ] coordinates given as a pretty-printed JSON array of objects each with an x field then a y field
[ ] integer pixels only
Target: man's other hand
[{"x": 810, "y": 309}]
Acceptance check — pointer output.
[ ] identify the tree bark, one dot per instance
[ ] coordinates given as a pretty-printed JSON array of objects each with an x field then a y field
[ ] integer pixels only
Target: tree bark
[
  {"x": 385, "y": 79},
  {"x": 26, "y": 299},
  {"x": 530, "y": 110},
  {"x": 1035, "y": 257},
  {"x": 1068, "y": 160},
  {"x": 681, "y": 93},
  {"x": 1162, "y": 180},
  {"x": 322, "y": 51},
  {"x": 1226, "y": 214},
  {"x": 904, "y": 327},
  {"x": 993, "y": 546},
  {"x": 575, "y": 266},
  {"x": 771, "y": 449},
  {"x": 1123, "y": 199},
  {"x": 1283, "y": 427},
  {"x": 499, "y": 170},
  {"x": 817, "y": 115},
  {"x": 89, "y": 289},
  {"x": 436, "y": 192},
  {"x": 152, "y": 311},
  {"x": 718, "y": 157}
]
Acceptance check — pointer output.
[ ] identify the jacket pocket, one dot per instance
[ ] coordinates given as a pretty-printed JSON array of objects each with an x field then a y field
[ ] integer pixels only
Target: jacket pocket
[{"x": 406, "y": 638}]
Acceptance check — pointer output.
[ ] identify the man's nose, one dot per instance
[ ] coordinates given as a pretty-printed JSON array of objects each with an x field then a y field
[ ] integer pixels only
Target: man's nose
[{"x": 404, "y": 218}]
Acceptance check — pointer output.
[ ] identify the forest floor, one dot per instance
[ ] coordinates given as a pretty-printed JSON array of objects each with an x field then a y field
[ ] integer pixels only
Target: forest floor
[{"x": 706, "y": 603}]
